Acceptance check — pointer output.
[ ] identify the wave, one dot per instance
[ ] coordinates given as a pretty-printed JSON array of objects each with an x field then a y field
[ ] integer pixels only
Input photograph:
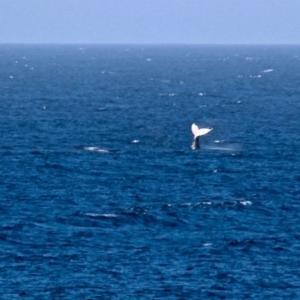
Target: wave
[
  {"x": 268, "y": 70},
  {"x": 96, "y": 149},
  {"x": 225, "y": 148},
  {"x": 101, "y": 215}
]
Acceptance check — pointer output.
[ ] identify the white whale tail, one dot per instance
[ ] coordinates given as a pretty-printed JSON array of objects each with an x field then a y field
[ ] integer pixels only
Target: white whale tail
[{"x": 197, "y": 132}]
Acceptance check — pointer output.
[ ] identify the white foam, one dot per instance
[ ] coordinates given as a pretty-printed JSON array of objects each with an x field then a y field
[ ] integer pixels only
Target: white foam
[
  {"x": 246, "y": 202},
  {"x": 101, "y": 215},
  {"x": 186, "y": 204},
  {"x": 220, "y": 148},
  {"x": 109, "y": 215},
  {"x": 92, "y": 215},
  {"x": 96, "y": 149},
  {"x": 135, "y": 141},
  {"x": 268, "y": 70},
  {"x": 232, "y": 148},
  {"x": 207, "y": 244}
]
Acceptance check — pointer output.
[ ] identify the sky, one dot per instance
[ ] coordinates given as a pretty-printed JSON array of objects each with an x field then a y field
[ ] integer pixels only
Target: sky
[{"x": 150, "y": 21}]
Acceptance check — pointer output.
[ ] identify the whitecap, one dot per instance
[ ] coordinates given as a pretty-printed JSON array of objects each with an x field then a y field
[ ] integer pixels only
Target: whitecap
[
  {"x": 207, "y": 244},
  {"x": 96, "y": 149},
  {"x": 92, "y": 215},
  {"x": 101, "y": 215},
  {"x": 135, "y": 141},
  {"x": 108, "y": 215},
  {"x": 229, "y": 148},
  {"x": 268, "y": 70},
  {"x": 102, "y": 150},
  {"x": 245, "y": 202},
  {"x": 186, "y": 204}
]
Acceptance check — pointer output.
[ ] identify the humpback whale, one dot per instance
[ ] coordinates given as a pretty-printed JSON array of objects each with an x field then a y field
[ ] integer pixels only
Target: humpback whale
[{"x": 197, "y": 133}]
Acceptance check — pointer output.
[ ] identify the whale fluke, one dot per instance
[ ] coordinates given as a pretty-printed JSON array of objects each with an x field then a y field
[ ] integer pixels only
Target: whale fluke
[{"x": 197, "y": 132}]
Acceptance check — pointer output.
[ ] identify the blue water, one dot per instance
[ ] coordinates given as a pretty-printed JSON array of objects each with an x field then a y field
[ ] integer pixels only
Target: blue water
[{"x": 101, "y": 195}]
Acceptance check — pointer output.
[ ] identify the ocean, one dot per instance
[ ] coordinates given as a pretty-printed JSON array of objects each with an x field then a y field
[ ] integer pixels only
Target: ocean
[{"x": 101, "y": 195}]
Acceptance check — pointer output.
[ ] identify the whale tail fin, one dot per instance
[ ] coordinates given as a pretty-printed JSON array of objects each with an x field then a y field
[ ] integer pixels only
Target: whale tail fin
[{"x": 197, "y": 132}]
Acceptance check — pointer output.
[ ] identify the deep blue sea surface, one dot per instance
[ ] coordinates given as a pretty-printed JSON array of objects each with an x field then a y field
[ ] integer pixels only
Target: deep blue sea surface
[{"x": 101, "y": 195}]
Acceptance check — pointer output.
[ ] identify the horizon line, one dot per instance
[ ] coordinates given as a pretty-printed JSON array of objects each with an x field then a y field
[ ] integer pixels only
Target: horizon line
[{"x": 149, "y": 44}]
